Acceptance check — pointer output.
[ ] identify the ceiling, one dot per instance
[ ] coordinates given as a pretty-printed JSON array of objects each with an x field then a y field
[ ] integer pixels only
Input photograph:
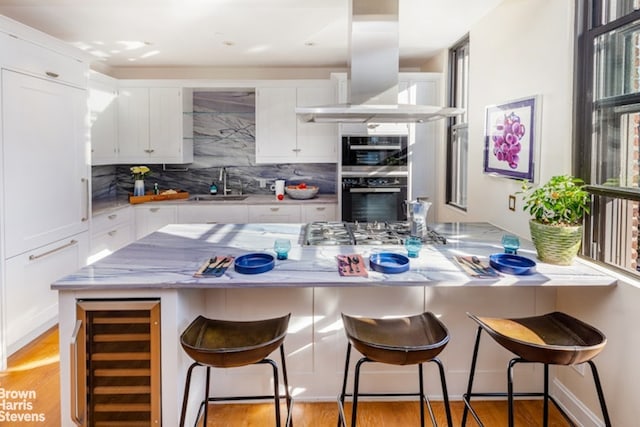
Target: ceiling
[{"x": 237, "y": 33}]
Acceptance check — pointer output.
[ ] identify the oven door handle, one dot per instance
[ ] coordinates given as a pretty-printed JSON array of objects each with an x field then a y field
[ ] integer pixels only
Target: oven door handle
[
  {"x": 375, "y": 147},
  {"x": 375, "y": 190}
]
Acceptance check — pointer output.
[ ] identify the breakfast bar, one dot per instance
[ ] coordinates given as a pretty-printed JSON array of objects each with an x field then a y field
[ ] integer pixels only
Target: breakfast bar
[{"x": 162, "y": 266}]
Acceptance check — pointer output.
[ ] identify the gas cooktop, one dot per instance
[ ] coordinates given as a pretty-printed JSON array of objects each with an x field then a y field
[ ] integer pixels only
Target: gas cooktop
[{"x": 370, "y": 233}]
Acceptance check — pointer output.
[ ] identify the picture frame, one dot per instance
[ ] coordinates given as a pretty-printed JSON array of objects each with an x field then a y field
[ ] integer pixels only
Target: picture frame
[{"x": 510, "y": 138}]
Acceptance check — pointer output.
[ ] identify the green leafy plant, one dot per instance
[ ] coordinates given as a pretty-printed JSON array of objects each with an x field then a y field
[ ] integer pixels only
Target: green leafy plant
[{"x": 561, "y": 201}]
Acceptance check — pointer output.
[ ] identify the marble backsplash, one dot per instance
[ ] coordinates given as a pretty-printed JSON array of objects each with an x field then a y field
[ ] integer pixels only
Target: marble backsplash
[{"x": 224, "y": 136}]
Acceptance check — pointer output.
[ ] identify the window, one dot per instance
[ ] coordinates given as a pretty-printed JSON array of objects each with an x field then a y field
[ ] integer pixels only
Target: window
[
  {"x": 607, "y": 124},
  {"x": 457, "y": 138}
]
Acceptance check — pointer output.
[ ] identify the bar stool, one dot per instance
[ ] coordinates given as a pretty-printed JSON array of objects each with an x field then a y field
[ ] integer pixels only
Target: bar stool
[
  {"x": 228, "y": 344},
  {"x": 397, "y": 341},
  {"x": 551, "y": 339}
]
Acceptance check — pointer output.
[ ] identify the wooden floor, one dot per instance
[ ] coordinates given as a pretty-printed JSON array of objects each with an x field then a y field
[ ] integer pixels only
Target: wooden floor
[{"x": 35, "y": 368}]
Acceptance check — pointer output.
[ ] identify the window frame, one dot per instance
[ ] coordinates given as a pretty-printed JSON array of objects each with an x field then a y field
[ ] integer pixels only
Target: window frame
[{"x": 453, "y": 169}]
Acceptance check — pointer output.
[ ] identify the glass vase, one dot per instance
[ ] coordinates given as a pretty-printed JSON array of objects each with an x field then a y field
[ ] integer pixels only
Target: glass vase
[{"x": 138, "y": 187}]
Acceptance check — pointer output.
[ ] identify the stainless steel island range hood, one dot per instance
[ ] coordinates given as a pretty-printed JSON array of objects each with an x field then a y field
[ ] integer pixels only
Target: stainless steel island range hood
[{"x": 373, "y": 73}]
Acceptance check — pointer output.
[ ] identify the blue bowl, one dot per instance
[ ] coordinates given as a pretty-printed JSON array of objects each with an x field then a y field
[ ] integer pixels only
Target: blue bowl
[
  {"x": 389, "y": 262},
  {"x": 512, "y": 264},
  {"x": 254, "y": 263}
]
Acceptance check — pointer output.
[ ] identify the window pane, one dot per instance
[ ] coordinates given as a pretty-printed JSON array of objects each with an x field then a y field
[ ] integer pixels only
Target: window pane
[
  {"x": 615, "y": 153},
  {"x": 616, "y": 62},
  {"x": 614, "y": 9}
]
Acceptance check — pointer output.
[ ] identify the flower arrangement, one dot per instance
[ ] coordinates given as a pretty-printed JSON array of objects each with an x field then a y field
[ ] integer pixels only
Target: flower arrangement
[
  {"x": 561, "y": 201},
  {"x": 139, "y": 172}
]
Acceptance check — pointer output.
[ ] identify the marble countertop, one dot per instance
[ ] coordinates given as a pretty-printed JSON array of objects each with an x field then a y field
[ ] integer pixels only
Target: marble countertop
[
  {"x": 100, "y": 207},
  {"x": 168, "y": 259}
]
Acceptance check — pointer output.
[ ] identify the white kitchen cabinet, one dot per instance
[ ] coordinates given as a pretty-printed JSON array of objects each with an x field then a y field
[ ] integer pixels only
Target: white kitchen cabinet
[
  {"x": 151, "y": 126},
  {"x": 274, "y": 213},
  {"x": 31, "y": 306},
  {"x": 45, "y": 165},
  {"x": 103, "y": 110},
  {"x": 318, "y": 212},
  {"x": 152, "y": 218},
  {"x": 218, "y": 213},
  {"x": 282, "y": 138},
  {"x": 111, "y": 231}
]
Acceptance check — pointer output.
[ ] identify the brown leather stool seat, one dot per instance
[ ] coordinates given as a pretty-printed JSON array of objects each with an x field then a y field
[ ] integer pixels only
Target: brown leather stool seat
[
  {"x": 551, "y": 339},
  {"x": 411, "y": 340},
  {"x": 228, "y": 344}
]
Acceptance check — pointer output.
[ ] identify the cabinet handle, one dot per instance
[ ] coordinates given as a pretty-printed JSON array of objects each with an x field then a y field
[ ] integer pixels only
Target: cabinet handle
[
  {"x": 320, "y": 209},
  {"x": 112, "y": 233},
  {"x": 149, "y": 151},
  {"x": 113, "y": 216},
  {"x": 52, "y": 74},
  {"x": 154, "y": 209},
  {"x": 296, "y": 150},
  {"x": 85, "y": 181},
  {"x": 73, "y": 351},
  {"x": 59, "y": 248},
  {"x": 275, "y": 209}
]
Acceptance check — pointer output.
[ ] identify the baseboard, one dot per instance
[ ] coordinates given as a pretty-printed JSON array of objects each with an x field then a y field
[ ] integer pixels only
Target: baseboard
[
  {"x": 577, "y": 411},
  {"x": 32, "y": 335}
]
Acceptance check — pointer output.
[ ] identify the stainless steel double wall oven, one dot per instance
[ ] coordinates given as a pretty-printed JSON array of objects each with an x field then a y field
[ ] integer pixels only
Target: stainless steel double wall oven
[{"x": 374, "y": 178}]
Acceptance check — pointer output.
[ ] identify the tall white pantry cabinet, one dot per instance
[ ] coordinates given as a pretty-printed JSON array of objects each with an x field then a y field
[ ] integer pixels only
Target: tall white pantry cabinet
[{"x": 45, "y": 178}]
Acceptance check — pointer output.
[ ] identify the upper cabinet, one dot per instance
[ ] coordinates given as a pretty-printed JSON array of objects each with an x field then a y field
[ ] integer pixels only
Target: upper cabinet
[
  {"x": 103, "y": 110},
  {"x": 281, "y": 137},
  {"x": 151, "y": 127}
]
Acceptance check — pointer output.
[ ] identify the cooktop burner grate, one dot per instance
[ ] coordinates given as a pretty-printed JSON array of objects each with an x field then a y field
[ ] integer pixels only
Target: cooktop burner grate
[{"x": 375, "y": 233}]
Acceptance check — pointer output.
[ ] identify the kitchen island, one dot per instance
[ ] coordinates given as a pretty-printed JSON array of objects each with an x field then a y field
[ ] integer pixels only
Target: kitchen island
[{"x": 161, "y": 267}]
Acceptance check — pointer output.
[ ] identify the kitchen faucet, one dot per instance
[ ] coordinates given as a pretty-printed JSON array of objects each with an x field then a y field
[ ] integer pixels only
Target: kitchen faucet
[{"x": 223, "y": 178}]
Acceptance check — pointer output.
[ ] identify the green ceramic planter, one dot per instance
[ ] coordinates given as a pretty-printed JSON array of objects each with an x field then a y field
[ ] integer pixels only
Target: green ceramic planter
[{"x": 556, "y": 244}]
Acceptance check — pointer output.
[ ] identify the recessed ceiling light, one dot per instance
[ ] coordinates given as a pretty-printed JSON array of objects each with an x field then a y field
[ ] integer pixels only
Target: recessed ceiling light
[
  {"x": 309, "y": 44},
  {"x": 228, "y": 43}
]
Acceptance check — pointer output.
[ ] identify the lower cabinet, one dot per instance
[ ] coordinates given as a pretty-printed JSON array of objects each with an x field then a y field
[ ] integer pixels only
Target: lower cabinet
[
  {"x": 152, "y": 218},
  {"x": 274, "y": 213},
  {"x": 115, "y": 363},
  {"x": 318, "y": 212},
  {"x": 31, "y": 306},
  {"x": 229, "y": 214},
  {"x": 110, "y": 232}
]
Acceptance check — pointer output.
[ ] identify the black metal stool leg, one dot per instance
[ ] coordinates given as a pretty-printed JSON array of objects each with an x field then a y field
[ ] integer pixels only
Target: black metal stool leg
[
  {"x": 285, "y": 378},
  {"x": 341, "y": 420},
  {"x": 445, "y": 393},
  {"x": 512, "y": 363},
  {"x": 422, "y": 399},
  {"x": 545, "y": 405},
  {"x": 356, "y": 383},
  {"x": 276, "y": 388},
  {"x": 467, "y": 396},
  {"x": 206, "y": 396},
  {"x": 603, "y": 405},
  {"x": 185, "y": 399}
]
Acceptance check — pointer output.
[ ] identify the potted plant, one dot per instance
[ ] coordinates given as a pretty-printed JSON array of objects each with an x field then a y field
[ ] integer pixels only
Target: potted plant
[{"x": 557, "y": 209}]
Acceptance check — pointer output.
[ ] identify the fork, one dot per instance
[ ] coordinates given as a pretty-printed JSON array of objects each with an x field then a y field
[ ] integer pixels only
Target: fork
[{"x": 355, "y": 261}]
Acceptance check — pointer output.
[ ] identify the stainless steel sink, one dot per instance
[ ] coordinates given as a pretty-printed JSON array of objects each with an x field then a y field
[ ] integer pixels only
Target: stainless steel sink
[{"x": 216, "y": 198}]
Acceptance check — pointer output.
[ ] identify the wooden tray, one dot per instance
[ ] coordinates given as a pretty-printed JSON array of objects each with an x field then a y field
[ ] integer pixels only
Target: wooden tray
[{"x": 150, "y": 197}]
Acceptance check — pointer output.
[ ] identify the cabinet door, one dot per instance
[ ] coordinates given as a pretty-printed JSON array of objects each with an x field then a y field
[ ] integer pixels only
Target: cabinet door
[
  {"x": 274, "y": 213},
  {"x": 165, "y": 124},
  {"x": 103, "y": 109},
  {"x": 45, "y": 164},
  {"x": 276, "y": 125},
  {"x": 31, "y": 306},
  {"x": 317, "y": 142},
  {"x": 213, "y": 214},
  {"x": 150, "y": 219},
  {"x": 318, "y": 212},
  {"x": 133, "y": 124}
]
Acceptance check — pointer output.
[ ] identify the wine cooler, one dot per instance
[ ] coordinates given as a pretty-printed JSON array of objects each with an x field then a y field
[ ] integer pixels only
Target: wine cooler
[{"x": 115, "y": 363}]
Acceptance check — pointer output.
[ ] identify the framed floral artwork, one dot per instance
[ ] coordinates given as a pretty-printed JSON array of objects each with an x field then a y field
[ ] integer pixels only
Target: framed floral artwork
[{"x": 510, "y": 138}]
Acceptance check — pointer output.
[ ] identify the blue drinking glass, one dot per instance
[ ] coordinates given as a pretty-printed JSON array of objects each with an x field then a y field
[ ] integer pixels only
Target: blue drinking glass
[
  {"x": 282, "y": 247},
  {"x": 510, "y": 243},
  {"x": 413, "y": 246}
]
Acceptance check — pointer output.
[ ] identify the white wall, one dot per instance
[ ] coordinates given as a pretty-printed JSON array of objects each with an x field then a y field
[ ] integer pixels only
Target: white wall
[
  {"x": 524, "y": 48},
  {"x": 521, "y": 48}
]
